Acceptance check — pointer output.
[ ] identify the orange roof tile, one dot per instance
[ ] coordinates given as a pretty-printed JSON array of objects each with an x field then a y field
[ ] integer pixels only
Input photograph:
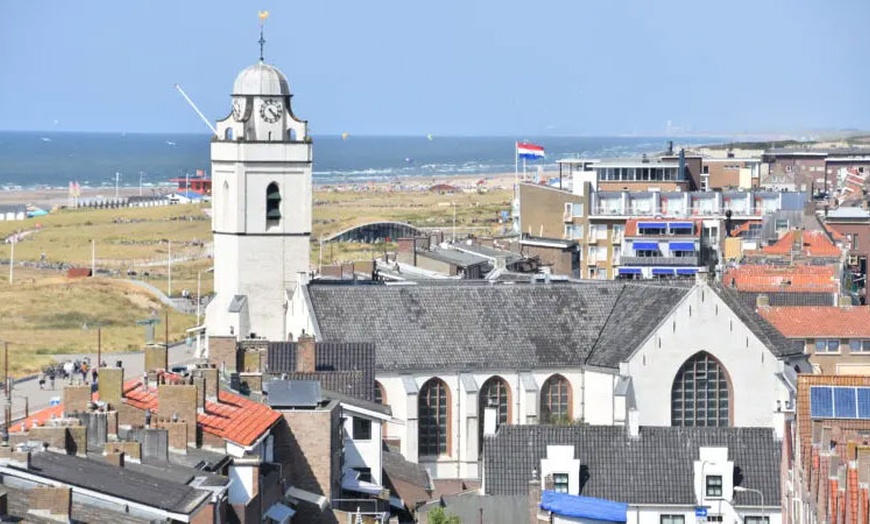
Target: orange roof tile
[
  {"x": 755, "y": 278},
  {"x": 819, "y": 321},
  {"x": 233, "y": 417},
  {"x": 813, "y": 244}
]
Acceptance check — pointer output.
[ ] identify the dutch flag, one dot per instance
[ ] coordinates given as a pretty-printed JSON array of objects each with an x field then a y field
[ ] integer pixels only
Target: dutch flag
[{"x": 529, "y": 151}]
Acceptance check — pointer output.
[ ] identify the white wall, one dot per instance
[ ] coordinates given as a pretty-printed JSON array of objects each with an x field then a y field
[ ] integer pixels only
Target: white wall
[
  {"x": 241, "y": 484},
  {"x": 363, "y": 453},
  {"x": 652, "y": 515},
  {"x": 702, "y": 322}
]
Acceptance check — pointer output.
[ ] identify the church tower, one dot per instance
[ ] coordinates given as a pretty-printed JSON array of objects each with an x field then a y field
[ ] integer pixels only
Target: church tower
[{"x": 261, "y": 203}]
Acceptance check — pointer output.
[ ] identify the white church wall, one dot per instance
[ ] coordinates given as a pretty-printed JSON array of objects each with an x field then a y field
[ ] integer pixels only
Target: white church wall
[
  {"x": 703, "y": 322},
  {"x": 597, "y": 397}
]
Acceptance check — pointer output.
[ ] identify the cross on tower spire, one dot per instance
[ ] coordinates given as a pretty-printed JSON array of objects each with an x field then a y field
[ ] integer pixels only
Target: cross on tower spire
[{"x": 262, "y": 41}]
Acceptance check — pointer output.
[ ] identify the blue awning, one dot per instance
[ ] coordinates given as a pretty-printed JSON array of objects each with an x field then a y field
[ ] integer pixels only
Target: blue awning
[
  {"x": 566, "y": 505},
  {"x": 651, "y": 225},
  {"x": 654, "y": 246},
  {"x": 681, "y": 246},
  {"x": 681, "y": 225},
  {"x": 663, "y": 271},
  {"x": 629, "y": 271},
  {"x": 686, "y": 270}
]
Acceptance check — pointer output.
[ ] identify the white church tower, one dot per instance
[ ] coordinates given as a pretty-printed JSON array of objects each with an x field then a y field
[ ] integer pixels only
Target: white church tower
[{"x": 261, "y": 203}]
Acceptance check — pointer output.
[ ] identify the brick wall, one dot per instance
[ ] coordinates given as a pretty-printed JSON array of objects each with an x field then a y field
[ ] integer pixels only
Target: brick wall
[
  {"x": 205, "y": 515},
  {"x": 305, "y": 354},
  {"x": 76, "y": 398},
  {"x": 156, "y": 358},
  {"x": 253, "y": 361},
  {"x": 212, "y": 384},
  {"x": 111, "y": 384},
  {"x": 132, "y": 450},
  {"x": 178, "y": 437},
  {"x": 77, "y": 440},
  {"x": 179, "y": 400},
  {"x": 222, "y": 351},
  {"x": 130, "y": 416},
  {"x": 115, "y": 458},
  {"x": 53, "y": 501},
  {"x": 54, "y": 436}
]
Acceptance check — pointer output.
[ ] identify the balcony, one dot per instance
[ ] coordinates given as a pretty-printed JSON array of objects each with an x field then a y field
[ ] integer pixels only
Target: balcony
[
  {"x": 659, "y": 261},
  {"x": 616, "y": 238},
  {"x": 568, "y": 218}
]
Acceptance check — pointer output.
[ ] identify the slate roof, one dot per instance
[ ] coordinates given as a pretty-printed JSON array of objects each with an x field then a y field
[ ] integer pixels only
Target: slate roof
[
  {"x": 469, "y": 325},
  {"x": 455, "y": 257},
  {"x": 346, "y": 367},
  {"x": 761, "y": 328},
  {"x": 123, "y": 483},
  {"x": 655, "y": 468},
  {"x": 408, "y": 480}
]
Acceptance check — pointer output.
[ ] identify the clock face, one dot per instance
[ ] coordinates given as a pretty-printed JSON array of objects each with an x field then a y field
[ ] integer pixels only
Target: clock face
[
  {"x": 238, "y": 109},
  {"x": 271, "y": 110}
]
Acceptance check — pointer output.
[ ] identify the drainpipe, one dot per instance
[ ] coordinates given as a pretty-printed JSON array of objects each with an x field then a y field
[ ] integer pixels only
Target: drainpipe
[
  {"x": 583, "y": 394},
  {"x": 459, "y": 428},
  {"x": 517, "y": 394}
]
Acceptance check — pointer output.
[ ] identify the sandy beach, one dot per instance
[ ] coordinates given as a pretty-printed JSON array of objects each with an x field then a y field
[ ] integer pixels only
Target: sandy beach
[{"x": 53, "y": 198}]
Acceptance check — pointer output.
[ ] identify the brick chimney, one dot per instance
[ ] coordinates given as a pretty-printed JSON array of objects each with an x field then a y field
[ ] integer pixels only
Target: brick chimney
[
  {"x": 111, "y": 386},
  {"x": 76, "y": 398},
  {"x": 114, "y": 457},
  {"x": 178, "y": 403},
  {"x": 51, "y": 502},
  {"x": 212, "y": 383},
  {"x": 864, "y": 464},
  {"x": 199, "y": 383},
  {"x": 534, "y": 500},
  {"x": 156, "y": 357},
  {"x": 305, "y": 354}
]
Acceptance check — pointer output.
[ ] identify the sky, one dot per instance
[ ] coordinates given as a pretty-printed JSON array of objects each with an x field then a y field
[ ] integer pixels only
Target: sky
[{"x": 451, "y": 67}]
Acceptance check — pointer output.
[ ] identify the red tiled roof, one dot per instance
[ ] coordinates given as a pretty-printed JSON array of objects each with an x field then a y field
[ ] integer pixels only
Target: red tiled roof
[
  {"x": 232, "y": 418},
  {"x": 819, "y": 321},
  {"x": 755, "y": 278},
  {"x": 813, "y": 244}
]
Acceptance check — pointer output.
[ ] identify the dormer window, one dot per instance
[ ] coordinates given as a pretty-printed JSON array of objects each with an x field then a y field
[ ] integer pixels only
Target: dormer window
[
  {"x": 713, "y": 485},
  {"x": 560, "y": 482},
  {"x": 273, "y": 205}
]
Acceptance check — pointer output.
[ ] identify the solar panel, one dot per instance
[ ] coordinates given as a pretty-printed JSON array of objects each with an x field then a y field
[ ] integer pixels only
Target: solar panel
[
  {"x": 821, "y": 402},
  {"x": 864, "y": 403},
  {"x": 845, "y": 403}
]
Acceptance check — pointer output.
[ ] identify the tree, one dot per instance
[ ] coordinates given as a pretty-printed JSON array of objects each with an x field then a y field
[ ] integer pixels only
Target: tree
[{"x": 439, "y": 516}]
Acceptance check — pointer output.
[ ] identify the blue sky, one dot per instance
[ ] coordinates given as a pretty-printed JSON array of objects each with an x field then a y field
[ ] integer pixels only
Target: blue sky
[{"x": 451, "y": 67}]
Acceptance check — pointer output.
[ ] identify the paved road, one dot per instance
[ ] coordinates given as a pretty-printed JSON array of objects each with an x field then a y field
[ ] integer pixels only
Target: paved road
[{"x": 27, "y": 391}]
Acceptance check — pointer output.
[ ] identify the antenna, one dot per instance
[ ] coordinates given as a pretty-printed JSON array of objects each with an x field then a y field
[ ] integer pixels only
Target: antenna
[{"x": 198, "y": 112}]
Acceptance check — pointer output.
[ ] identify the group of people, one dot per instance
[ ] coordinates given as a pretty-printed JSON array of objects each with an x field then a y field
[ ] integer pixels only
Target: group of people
[{"x": 69, "y": 370}]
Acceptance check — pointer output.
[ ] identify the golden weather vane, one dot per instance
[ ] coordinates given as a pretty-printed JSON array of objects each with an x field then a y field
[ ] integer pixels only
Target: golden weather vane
[{"x": 263, "y": 15}]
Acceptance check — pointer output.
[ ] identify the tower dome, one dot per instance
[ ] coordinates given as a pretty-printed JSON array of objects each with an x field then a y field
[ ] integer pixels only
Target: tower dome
[{"x": 261, "y": 80}]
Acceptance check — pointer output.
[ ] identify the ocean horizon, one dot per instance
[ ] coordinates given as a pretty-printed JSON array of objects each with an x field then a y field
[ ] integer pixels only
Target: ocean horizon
[{"x": 41, "y": 159}]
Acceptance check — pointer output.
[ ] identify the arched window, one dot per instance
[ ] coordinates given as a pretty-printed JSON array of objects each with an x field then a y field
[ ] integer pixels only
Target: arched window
[
  {"x": 433, "y": 413},
  {"x": 273, "y": 205},
  {"x": 701, "y": 394},
  {"x": 291, "y": 134},
  {"x": 556, "y": 400},
  {"x": 380, "y": 394},
  {"x": 228, "y": 134},
  {"x": 494, "y": 393}
]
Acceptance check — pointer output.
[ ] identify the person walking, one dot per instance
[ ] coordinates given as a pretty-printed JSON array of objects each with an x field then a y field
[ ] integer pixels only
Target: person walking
[
  {"x": 42, "y": 381},
  {"x": 51, "y": 379}
]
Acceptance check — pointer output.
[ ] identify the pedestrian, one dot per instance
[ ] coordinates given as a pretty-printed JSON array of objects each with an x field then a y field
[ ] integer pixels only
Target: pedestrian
[
  {"x": 42, "y": 382},
  {"x": 51, "y": 378},
  {"x": 94, "y": 375}
]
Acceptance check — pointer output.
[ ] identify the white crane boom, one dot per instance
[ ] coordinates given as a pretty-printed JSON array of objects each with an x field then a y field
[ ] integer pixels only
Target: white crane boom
[{"x": 198, "y": 112}]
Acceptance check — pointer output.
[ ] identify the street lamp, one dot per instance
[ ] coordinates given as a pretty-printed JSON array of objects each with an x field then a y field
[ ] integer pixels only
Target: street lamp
[{"x": 741, "y": 489}]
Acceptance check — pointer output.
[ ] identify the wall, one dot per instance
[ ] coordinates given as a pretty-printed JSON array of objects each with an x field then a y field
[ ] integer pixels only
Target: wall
[
  {"x": 702, "y": 322},
  {"x": 845, "y": 362},
  {"x": 542, "y": 206},
  {"x": 559, "y": 260},
  {"x": 363, "y": 453}
]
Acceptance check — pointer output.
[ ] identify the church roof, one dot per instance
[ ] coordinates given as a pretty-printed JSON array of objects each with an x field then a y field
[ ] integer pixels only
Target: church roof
[
  {"x": 469, "y": 325},
  {"x": 654, "y": 468},
  {"x": 261, "y": 80}
]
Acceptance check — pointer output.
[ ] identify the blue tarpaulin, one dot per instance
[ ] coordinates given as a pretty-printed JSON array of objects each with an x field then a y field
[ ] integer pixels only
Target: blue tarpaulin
[
  {"x": 686, "y": 271},
  {"x": 663, "y": 271},
  {"x": 681, "y": 246},
  {"x": 681, "y": 225},
  {"x": 629, "y": 271},
  {"x": 651, "y": 225},
  {"x": 566, "y": 505},
  {"x": 646, "y": 245}
]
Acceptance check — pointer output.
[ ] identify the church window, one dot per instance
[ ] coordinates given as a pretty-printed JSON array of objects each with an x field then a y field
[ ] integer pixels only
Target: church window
[
  {"x": 494, "y": 393},
  {"x": 556, "y": 400},
  {"x": 701, "y": 393},
  {"x": 434, "y": 418},
  {"x": 273, "y": 205}
]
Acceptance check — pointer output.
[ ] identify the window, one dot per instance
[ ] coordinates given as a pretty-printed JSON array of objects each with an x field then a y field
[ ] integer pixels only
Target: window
[
  {"x": 654, "y": 231},
  {"x": 365, "y": 474},
  {"x": 433, "y": 418},
  {"x": 647, "y": 253},
  {"x": 714, "y": 518},
  {"x": 273, "y": 205},
  {"x": 380, "y": 394},
  {"x": 573, "y": 231},
  {"x": 556, "y": 400},
  {"x": 701, "y": 393},
  {"x": 714, "y": 485},
  {"x": 362, "y": 429},
  {"x": 577, "y": 210},
  {"x": 859, "y": 346},
  {"x": 756, "y": 519},
  {"x": 672, "y": 519},
  {"x": 494, "y": 393},
  {"x": 827, "y": 345},
  {"x": 560, "y": 482}
]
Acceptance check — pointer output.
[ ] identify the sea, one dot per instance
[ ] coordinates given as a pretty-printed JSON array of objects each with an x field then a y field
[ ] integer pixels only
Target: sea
[{"x": 51, "y": 159}]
